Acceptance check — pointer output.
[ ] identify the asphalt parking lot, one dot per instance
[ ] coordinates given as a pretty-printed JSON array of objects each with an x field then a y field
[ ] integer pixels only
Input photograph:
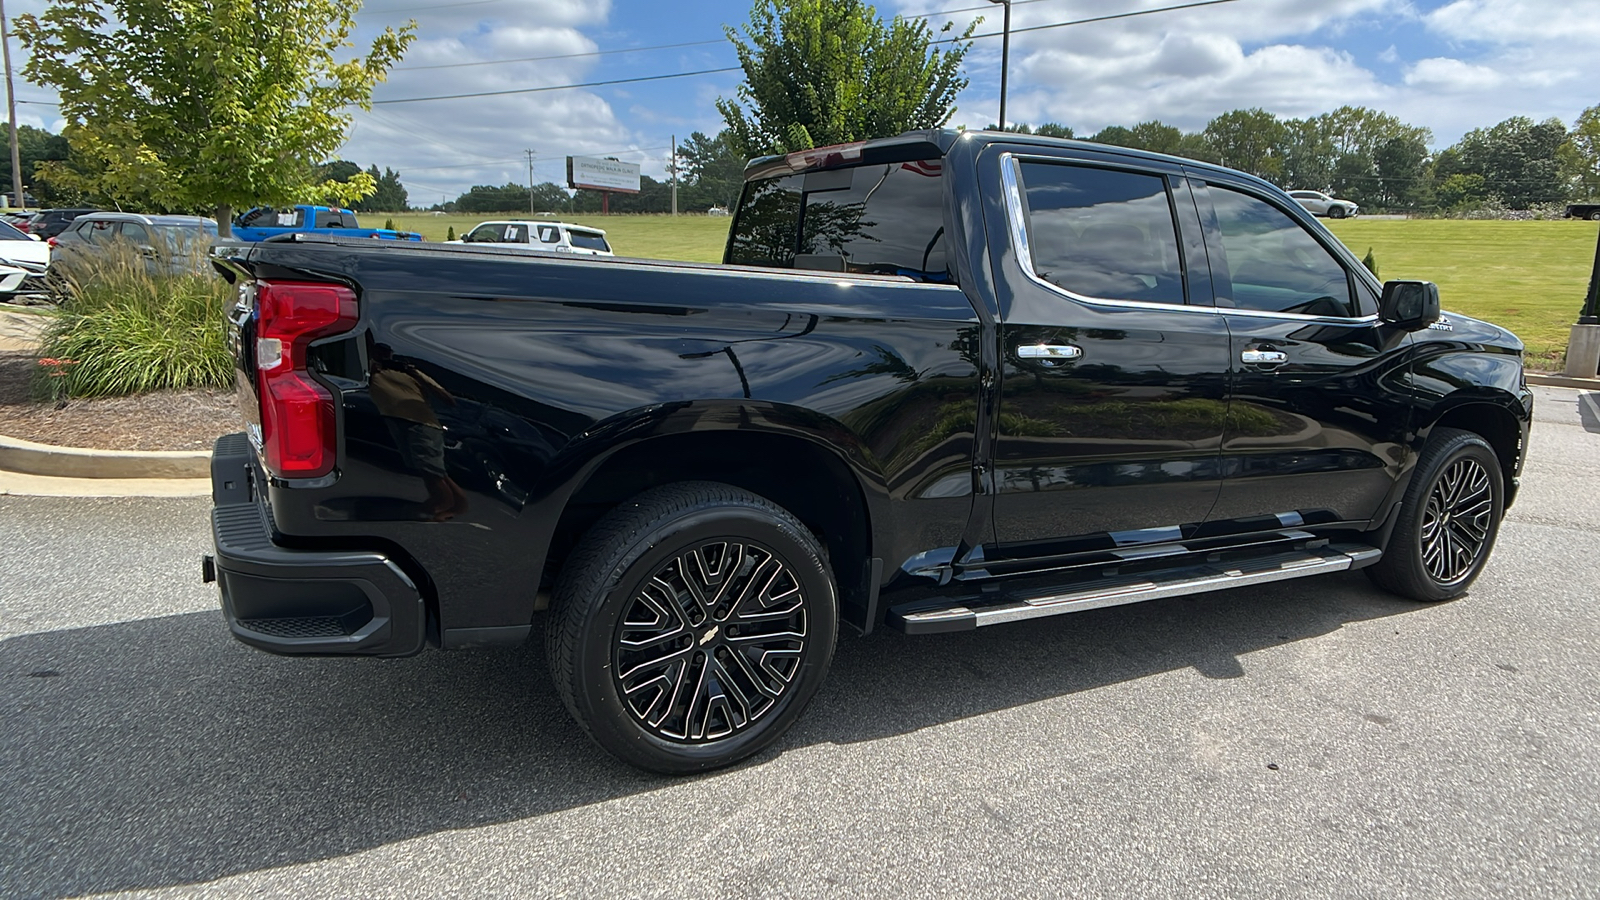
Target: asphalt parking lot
[{"x": 1312, "y": 738}]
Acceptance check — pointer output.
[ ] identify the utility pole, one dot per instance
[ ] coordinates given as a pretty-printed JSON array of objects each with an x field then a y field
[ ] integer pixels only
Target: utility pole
[
  {"x": 674, "y": 174},
  {"x": 1005, "y": 59},
  {"x": 18, "y": 198},
  {"x": 529, "y": 151}
]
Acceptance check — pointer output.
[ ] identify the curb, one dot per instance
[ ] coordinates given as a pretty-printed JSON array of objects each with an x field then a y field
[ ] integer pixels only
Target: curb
[
  {"x": 1566, "y": 381},
  {"x": 28, "y": 458}
]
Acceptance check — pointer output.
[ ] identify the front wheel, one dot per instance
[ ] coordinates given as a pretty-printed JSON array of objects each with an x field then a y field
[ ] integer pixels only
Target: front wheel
[
  {"x": 1337, "y": 212},
  {"x": 691, "y": 626},
  {"x": 1448, "y": 520}
]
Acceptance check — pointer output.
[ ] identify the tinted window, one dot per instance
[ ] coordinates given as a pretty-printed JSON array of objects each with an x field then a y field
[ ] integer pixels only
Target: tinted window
[
  {"x": 881, "y": 219},
  {"x": 98, "y": 230},
  {"x": 8, "y": 233},
  {"x": 327, "y": 219},
  {"x": 133, "y": 231},
  {"x": 549, "y": 234},
  {"x": 1276, "y": 265},
  {"x": 500, "y": 233},
  {"x": 1103, "y": 233},
  {"x": 588, "y": 241}
]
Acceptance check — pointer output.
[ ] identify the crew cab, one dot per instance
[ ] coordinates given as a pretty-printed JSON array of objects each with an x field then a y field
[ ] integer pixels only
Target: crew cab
[
  {"x": 941, "y": 382},
  {"x": 557, "y": 237},
  {"x": 265, "y": 222}
]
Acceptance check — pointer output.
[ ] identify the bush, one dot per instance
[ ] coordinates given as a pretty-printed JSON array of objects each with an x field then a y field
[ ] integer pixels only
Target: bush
[
  {"x": 1371, "y": 262},
  {"x": 450, "y": 234},
  {"x": 388, "y": 224},
  {"x": 125, "y": 329}
]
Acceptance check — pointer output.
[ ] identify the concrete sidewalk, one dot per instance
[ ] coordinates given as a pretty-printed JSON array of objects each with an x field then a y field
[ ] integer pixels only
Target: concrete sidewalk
[{"x": 21, "y": 330}]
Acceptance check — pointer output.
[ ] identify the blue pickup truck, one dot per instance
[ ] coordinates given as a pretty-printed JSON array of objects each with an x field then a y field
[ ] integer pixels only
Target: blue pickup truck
[{"x": 263, "y": 222}]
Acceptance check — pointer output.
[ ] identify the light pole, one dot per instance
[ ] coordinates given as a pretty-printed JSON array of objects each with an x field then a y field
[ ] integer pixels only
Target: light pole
[
  {"x": 19, "y": 197},
  {"x": 1005, "y": 58}
]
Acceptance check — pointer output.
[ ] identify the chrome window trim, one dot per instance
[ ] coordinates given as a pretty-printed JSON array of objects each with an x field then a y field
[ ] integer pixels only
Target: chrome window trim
[{"x": 1010, "y": 172}]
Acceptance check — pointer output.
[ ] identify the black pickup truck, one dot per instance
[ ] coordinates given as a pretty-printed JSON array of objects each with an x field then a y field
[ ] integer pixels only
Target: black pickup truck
[{"x": 941, "y": 382}]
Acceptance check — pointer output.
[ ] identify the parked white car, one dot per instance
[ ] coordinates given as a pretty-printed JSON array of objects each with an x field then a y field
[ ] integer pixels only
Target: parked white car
[
  {"x": 1319, "y": 204},
  {"x": 23, "y": 261},
  {"x": 558, "y": 236}
]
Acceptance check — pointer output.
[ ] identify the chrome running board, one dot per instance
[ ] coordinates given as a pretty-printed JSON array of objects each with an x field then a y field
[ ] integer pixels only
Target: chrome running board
[{"x": 1117, "y": 590}]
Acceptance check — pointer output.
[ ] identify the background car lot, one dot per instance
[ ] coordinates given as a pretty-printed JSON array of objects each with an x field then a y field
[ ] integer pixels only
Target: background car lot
[{"x": 1449, "y": 750}]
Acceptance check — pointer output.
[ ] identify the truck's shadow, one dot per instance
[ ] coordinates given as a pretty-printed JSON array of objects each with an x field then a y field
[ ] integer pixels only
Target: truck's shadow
[{"x": 158, "y": 752}]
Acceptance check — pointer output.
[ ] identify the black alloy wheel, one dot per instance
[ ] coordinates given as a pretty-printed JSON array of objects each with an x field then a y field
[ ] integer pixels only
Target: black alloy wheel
[
  {"x": 711, "y": 643},
  {"x": 1336, "y": 212},
  {"x": 1457, "y": 521},
  {"x": 691, "y": 627},
  {"x": 1448, "y": 520}
]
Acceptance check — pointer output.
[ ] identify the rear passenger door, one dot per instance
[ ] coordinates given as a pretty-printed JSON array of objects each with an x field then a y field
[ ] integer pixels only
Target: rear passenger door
[
  {"x": 1318, "y": 412},
  {"x": 1113, "y": 359}
]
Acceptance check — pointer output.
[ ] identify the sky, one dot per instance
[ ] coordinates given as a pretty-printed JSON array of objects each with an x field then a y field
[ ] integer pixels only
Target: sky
[{"x": 1448, "y": 65}]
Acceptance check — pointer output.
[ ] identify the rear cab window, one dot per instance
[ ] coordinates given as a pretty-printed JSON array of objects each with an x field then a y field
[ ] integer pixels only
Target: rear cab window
[{"x": 885, "y": 219}]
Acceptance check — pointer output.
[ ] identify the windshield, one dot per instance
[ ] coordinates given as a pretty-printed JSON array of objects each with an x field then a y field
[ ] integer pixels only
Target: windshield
[{"x": 8, "y": 233}]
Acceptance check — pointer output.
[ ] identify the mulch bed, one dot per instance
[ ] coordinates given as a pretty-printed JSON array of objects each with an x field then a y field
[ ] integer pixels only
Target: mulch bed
[{"x": 168, "y": 420}]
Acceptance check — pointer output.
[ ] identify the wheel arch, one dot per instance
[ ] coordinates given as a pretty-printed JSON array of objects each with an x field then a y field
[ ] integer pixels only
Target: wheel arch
[
  {"x": 786, "y": 456},
  {"x": 1492, "y": 419}
]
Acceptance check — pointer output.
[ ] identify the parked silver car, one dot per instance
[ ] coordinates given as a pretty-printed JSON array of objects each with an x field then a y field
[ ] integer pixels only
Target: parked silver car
[
  {"x": 1319, "y": 204},
  {"x": 171, "y": 244}
]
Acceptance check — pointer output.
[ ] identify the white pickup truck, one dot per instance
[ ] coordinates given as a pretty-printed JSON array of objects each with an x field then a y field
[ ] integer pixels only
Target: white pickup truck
[{"x": 532, "y": 235}]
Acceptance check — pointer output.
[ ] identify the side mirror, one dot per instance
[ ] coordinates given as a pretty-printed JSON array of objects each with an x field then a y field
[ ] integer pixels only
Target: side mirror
[{"x": 1412, "y": 305}]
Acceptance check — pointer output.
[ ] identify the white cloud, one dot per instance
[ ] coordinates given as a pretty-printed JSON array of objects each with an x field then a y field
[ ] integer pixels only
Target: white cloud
[
  {"x": 1518, "y": 21},
  {"x": 1452, "y": 76}
]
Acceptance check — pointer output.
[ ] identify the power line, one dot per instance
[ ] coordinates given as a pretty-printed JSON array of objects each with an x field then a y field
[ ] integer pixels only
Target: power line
[
  {"x": 562, "y": 87},
  {"x": 496, "y": 62}
]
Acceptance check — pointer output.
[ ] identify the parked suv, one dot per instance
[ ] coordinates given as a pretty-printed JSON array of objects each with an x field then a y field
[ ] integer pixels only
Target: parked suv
[
  {"x": 171, "y": 244},
  {"x": 1319, "y": 204},
  {"x": 557, "y": 236},
  {"x": 51, "y": 222}
]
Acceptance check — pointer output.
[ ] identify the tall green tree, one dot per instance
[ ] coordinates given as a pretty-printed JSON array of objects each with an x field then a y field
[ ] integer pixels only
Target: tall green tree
[
  {"x": 1518, "y": 159},
  {"x": 821, "y": 72},
  {"x": 713, "y": 168},
  {"x": 205, "y": 104},
  {"x": 390, "y": 195},
  {"x": 1580, "y": 156},
  {"x": 1250, "y": 140}
]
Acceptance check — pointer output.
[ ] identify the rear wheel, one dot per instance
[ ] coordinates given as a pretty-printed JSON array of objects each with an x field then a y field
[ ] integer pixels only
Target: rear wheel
[
  {"x": 691, "y": 627},
  {"x": 1448, "y": 520},
  {"x": 1595, "y": 216}
]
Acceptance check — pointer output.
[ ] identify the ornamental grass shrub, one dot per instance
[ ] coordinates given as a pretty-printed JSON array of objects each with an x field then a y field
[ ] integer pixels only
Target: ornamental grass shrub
[{"x": 131, "y": 324}]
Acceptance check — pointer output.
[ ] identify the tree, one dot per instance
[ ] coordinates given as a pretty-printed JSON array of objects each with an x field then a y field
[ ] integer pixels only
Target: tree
[
  {"x": 714, "y": 169},
  {"x": 34, "y": 145},
  {"x": 390, "y": 195},
  {"x": 1580, "y": 155},
  {"x": 1518, "y": 160},
  {"x": 214, "y": 105},
  {"x": 1249, "y": 140},
  {"x": 821, "y": 72}
]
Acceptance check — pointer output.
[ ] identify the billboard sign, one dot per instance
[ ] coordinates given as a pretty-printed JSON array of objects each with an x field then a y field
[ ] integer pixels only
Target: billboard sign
[{"x": 602, "y": 174}]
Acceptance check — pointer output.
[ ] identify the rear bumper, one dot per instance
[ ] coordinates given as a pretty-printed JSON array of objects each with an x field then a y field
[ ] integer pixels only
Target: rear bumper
[{"x": 301, "y": 602}]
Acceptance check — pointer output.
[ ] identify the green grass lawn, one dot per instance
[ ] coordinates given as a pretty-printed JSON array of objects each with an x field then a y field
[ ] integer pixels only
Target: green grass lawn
[
  {"x": 691, "y": 238},
  {"x": 1528, "y": 276}
]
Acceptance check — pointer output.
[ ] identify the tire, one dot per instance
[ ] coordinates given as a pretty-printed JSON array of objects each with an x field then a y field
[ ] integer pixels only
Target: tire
[
  {"x": 1336, "y": 212},
  {"x": 691, "y": 626},
  {"x": 1448, "y": 520},
  {"x": 1595, "y": 216}
]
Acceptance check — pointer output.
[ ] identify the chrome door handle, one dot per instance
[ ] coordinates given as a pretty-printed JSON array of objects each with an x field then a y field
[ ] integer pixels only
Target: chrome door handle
[
  {"x": 1050, "y": 353},
  {"x": 1263, "y": 357}
]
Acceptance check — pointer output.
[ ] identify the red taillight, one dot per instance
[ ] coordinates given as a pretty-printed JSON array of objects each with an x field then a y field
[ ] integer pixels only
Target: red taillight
[
  {"x": 51, "y": 241},
  {"x": 298, "y": 425}
]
